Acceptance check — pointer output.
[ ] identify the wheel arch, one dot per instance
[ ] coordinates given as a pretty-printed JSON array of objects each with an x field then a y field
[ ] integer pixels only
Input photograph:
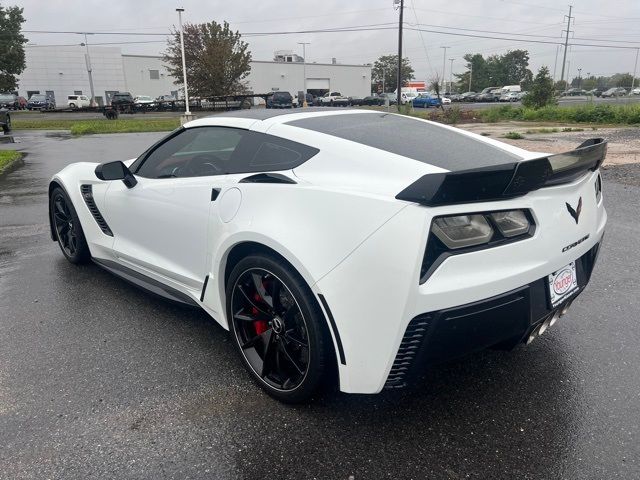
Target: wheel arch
[{"x": 241, "y": 249}]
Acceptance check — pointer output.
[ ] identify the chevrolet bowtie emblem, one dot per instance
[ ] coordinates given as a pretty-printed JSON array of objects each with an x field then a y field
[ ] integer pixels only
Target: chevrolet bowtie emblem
[{"x": 575, "y": 213}]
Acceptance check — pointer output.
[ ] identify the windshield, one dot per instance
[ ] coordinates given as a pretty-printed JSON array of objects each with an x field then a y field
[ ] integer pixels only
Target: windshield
[
  {"x": 38, "y": 97},
  {"x": 6, "y": 98}
]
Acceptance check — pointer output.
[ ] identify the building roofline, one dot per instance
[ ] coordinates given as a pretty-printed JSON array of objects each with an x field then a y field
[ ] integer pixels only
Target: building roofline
[{"x": 269, "y": 61}]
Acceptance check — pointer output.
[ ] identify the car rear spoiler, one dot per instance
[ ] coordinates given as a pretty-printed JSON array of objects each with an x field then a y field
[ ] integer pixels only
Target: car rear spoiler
[{"x": 506, "y": 181}]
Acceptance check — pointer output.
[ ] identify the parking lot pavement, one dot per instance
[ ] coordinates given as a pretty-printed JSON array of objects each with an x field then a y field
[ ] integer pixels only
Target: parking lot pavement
[{"x": 101, "y": 380}]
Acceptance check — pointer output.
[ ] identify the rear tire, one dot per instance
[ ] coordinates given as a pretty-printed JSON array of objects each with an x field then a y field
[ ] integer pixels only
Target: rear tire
[
  {"x": 6, "y": 128},
  {"x": 278, "y": 327},
  {"x": 67, "y": 228}
]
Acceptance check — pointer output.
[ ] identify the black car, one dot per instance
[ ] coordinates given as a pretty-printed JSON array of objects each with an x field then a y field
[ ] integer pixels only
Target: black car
[
  {"x": 9, "y": 101},
  {"x": 280, "y": 100},
  {"x": 121, "y": 98},
  {"x": 38, "y": 101},
  {"x": 5, "y": 120},
  {"x": 356, "y": 101}
]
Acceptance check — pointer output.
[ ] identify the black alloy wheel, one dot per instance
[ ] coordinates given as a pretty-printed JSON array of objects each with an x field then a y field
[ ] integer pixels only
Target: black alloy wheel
[
  {"x": 66, "y": 225},
  {"x": 278, "y": 327}
]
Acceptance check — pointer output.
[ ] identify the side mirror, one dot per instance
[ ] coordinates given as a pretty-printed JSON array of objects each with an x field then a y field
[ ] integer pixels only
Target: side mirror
[{"x": 116, "y": 171}]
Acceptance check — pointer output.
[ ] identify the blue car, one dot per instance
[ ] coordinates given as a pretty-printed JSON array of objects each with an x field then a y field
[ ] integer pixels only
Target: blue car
[{"x": 424, "y": 100}]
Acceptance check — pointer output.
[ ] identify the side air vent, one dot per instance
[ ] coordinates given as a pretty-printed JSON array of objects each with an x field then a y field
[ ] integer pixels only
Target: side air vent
[
  {"x": 87, "y": 194},
  {"x": 411, "y": 342}
]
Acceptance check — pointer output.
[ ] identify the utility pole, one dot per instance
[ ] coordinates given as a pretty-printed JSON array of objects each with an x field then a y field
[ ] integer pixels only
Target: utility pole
[
  {"x": 187, "y": 114},
  {"x": 384, "y": 75},
  {"x": 444, "y": 62},
  {"x": 450, "y": 75},
  {"x": 399, "y": 91},
  {"x": 566, "y": 87},
  {"x": 566, "y": 45},
  {"x": 635, "y": 68},
  {"x": 555, "y": 63},
  {"x": 304, "y": 70},
  {"x": 87, "y": 59},
  {"x": 470, "y": 74}
]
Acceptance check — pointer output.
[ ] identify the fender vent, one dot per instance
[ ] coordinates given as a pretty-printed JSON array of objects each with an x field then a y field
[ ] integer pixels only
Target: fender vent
[
  {"x": 411, "y": 342},
  {"x": 87, "y": 194}
]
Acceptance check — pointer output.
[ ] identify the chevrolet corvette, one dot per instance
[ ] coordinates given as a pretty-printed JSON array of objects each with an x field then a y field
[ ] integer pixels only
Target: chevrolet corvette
[{"x": 350, "y": 246}]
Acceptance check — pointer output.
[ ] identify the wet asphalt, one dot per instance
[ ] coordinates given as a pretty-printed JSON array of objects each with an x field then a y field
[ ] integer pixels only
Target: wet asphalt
[{"x": 101, "y": 380}]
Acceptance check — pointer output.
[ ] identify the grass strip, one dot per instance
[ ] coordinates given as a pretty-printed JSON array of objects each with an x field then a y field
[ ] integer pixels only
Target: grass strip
[
  {"x": 7, "y": 158},
  {"x": 86, "y": 127}
]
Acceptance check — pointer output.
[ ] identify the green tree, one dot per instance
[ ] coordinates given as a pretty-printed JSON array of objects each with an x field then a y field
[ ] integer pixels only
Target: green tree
[
  {"x": 216, "y": 57},
  {"x": 541, "y": 92},
  {"x": 386, "y": 67},
  {"x": 12, "y": 58},
  {"x": 512, "y": 68}
]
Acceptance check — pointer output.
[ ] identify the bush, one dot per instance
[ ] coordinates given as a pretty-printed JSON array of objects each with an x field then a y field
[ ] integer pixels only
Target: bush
[
  {"x": 514, "y": 136},
  {"x": 541, "y": 93},
  {"x": 592, "y": 113}
]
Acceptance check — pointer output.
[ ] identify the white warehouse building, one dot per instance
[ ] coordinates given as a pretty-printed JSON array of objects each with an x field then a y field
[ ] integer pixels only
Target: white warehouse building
[{"x": 62, "y": 71}]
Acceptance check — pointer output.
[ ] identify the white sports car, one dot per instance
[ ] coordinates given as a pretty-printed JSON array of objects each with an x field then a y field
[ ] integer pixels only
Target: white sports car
[{"x": 351, "y": 245}]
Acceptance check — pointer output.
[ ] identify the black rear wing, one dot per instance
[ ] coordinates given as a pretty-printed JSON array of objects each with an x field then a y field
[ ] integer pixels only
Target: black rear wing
[{"x": 505, "y": 181}]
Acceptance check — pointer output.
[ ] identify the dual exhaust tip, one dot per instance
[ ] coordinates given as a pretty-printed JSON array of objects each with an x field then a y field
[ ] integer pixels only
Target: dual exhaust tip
[{"x": 547, "y": 323}]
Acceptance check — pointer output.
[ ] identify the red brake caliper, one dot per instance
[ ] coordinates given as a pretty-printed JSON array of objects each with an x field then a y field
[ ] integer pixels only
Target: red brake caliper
[{"x": 261, "y": 326}]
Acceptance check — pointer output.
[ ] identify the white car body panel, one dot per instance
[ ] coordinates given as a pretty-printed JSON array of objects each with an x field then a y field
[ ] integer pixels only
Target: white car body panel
[{"x": 340, "y": 226}]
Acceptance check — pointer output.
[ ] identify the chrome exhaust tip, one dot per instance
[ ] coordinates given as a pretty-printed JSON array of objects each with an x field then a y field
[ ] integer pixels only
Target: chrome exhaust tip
[
  {"x": 546, "y": 324},
  {"x": 533, "y": 335},
  {"x": 565, "y": 308},
  {"x": 555, "y": 317}
]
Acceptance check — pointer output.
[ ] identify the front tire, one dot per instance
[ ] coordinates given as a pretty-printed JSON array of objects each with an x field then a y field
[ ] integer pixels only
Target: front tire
[
  {"x": 278, "y": 328},
  {"x": 67, "y": 228}
]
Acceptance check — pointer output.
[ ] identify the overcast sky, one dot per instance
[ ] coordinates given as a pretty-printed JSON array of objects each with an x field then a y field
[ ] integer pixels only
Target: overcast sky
[{"x": 606, "y": 21}]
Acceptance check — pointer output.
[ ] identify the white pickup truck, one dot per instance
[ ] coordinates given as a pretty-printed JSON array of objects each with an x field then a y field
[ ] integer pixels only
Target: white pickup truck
[{"x": 333, "y": 99}]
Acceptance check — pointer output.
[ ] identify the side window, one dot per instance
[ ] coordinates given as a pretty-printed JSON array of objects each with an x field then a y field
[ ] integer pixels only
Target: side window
[
  {"x": 260, "y": 152},
  {"x": 194, "y": 152}
]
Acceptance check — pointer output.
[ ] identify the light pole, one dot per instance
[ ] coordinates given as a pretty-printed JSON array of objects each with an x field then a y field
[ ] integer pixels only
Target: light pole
[
  {"x": 579, "y": 78},
  {"x": 635, "y": 68},
  {"x": 444, "y": 62},
  {"x": 384, "y": 74},
  {"x": 87, "y": 59},
  {"x": 187, "y": 113},
  {"x": 450, "y": 75},
  {"x": 470, "y": 74},
  {"x": 304, "y": 70}
]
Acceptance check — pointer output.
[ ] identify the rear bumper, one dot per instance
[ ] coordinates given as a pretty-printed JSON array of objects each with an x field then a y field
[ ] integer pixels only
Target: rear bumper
[{"x": 504, "y": 320}]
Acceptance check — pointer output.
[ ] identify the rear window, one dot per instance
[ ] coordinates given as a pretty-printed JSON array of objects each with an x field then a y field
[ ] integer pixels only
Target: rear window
[
  {"x": 421, "y": 141},
  {"x": 38, "y": 97},
  {"x": 282, "y": 95}
]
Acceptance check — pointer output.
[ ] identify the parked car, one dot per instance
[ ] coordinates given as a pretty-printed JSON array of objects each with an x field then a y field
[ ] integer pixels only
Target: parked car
[
  {"x": 78, "y": 101},
  {"x": 331, "y": 99},
  {"x": 455, "y": 97},
  {"x": 393, "y": 99},
  {"x": 635, "y": 91},
  {"x": 468, "y": 96},
  {"x": 574, "y": 92},
  {"x": 355, "y": 101},
  {"x": 446, "y": 101},
  {"x": 614, "y": 92},
  {"x": 38, "y": 101},
  {"x": 488, "y": 94},
  {"x": 280, "y": 100},
  {"x": 406, "y": 97},
  {"x": 9, "y": 101},
  {"x": 373, "y": 99},
  {"x": 425, "y": 100},
  {"x": 510, "y": 97},
  {"x": 145, "y": 100},
  {"x": 5, "y": 120},
  {"x": 299, "y": 234},
  {"x": 121, "y": 99}
]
